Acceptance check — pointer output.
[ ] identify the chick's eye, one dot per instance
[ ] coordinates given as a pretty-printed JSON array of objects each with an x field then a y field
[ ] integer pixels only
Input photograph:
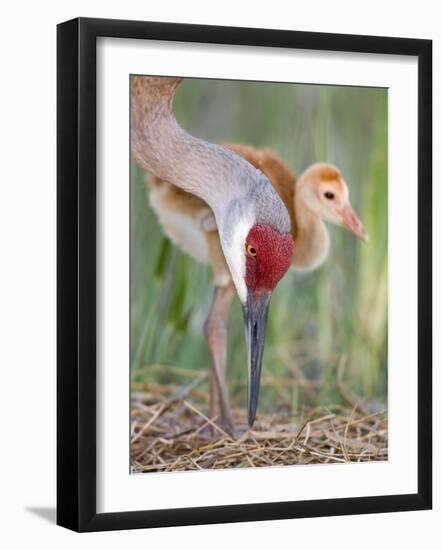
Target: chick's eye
[
  {"x": 329, "y": 195},
  {"x": 251, "y": 250}
]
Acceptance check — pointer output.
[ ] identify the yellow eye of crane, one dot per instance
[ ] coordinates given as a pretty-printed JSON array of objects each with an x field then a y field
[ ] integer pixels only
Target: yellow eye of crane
[{"x": 251, "y": 250}]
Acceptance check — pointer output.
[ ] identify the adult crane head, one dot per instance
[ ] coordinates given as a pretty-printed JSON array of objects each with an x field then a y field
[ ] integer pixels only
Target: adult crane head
[
  {"x": 257, "y": 243},
  {"x": 253, "y": 222}
]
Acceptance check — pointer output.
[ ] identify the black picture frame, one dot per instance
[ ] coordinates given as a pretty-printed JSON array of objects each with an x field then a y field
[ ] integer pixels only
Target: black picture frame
[{"x": 76, "y": 273}]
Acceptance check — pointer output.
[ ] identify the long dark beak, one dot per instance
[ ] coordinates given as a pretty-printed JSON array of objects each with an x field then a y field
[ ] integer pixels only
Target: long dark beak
[{"x": 255, "y": 312}]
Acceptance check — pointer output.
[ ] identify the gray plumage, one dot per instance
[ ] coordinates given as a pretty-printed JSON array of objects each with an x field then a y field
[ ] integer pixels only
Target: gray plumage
[{"x": 232, "y": 187}]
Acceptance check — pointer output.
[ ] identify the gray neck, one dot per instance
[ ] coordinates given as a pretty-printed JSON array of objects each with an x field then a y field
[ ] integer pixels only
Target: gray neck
[{"x": 230, "y": 185}]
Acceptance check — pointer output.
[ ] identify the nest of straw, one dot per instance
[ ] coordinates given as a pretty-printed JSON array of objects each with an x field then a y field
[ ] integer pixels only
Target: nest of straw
[{"x": 170, "y": 431}]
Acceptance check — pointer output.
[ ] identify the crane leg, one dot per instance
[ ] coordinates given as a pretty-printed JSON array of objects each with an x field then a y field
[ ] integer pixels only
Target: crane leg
[{"x": 216, "y": 332}]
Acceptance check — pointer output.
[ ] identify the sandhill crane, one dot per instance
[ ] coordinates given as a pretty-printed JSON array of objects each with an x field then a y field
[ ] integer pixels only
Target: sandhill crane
[
  {"x": 320, "y": 193},
  {"x": 253, "y": 224}
]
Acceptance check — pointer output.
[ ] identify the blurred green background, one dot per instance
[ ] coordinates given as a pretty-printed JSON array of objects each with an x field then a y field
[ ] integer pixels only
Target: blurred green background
[{"x": 330, "y": 322}]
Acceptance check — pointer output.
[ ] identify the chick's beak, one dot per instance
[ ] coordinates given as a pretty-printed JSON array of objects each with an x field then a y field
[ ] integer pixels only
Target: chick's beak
[
  {"x": 352, "y": 222},
  {"x": 255, "y": 312}
]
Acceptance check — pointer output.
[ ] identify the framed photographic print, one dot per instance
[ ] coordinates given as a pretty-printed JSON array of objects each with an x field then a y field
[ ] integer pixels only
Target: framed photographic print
[{"x": 244, "y": 274}]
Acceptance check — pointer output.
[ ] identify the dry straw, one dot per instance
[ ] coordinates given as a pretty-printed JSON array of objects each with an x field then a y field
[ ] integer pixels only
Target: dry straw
[{"x": 171, "y": 432}]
